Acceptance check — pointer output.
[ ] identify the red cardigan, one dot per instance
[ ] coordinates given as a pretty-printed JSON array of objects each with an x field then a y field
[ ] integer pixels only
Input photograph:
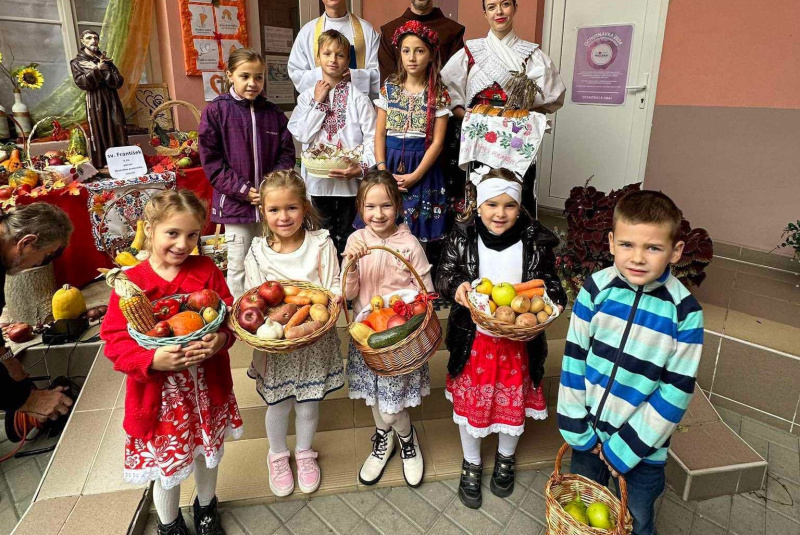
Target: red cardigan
[{"x": 143, "y": 388}]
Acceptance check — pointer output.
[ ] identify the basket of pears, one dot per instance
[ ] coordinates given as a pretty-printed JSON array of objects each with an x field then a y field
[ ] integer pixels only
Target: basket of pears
[{"x": 576, "y": 505}]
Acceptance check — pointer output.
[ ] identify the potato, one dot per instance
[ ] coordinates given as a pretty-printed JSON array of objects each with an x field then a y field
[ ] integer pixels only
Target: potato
[
  {"x": 537, "y": 305},
  {"x": 319, "y": 312},
  {"x": 542, "y": 316},
  {"x": 505, "y": 314},
  {"x": 291, "y": 290},
  {"x": 527, "y": 320},
  {"x": 283, "y": 313},
  {"x": 318, "y": 297},
  {"x": 548, "y": 309}
]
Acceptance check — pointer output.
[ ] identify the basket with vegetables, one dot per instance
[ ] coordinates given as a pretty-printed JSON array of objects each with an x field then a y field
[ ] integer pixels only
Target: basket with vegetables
[
  {"x": 515, "y": 311},
  {"x": 173, "y": 320},
  {"x": 284, "y": 316},
  {"x": 397, "y": 333}
]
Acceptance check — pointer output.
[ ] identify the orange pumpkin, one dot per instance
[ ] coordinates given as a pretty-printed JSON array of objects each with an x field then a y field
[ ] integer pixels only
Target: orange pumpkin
[
  {"x": 378, "y": 319},
  {"x": 185, "y": 323}
]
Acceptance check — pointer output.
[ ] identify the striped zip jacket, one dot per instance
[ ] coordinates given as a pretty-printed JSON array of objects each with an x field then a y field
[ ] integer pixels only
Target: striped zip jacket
[{"x": 629, "y": 367}]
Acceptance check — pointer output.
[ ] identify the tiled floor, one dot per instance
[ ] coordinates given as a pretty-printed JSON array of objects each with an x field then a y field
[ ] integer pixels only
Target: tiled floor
[
  {"x": 19, "y": 479},
  {"x": 434, "y": 507}
]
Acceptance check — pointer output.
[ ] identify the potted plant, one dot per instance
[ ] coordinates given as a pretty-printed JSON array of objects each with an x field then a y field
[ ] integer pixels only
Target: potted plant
[
  {"x": 791, "y": 238},
  {"x": 584, "y": 245},
  {"x": 27, "y": 77}
]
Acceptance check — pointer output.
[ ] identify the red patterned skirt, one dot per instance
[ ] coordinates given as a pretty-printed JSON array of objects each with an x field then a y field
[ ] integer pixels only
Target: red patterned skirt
[
  {"x": 494, "y": 394},
  {"x": 188, "y": 428}
]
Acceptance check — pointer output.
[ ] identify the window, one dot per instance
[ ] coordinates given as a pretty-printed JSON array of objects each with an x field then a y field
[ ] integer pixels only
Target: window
[{"x": 45, "y": 32}]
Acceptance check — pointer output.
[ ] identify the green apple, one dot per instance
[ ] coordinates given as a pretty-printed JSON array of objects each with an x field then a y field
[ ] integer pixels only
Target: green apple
[
  {"x": 600, "y": 516},
  {"x": 184, "y": 162},
  {"x": 503, "y": 294}
]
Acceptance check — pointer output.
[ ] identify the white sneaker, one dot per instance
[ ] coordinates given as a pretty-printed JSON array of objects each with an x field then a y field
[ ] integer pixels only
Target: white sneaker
[
  {"x": 382, "y": 451},
  {"x": 413, "y": 465}
]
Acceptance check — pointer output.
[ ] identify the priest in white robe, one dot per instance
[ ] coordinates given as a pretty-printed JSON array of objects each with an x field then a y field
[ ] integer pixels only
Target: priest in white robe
[{"x": 365, "y": 41}]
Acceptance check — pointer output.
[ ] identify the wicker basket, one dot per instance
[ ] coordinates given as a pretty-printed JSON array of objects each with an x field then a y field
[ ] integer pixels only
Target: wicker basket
[
  {"x": 150, "y": 342},
  {"x": 321, "y": 167},
  {"x": 167, "y": 151},
  {"x": 113, "y": 246},
  {"x": 412, "y": 352},
  {"x": 283, "y": 345},
  {"x": 502, "y": 329},
  {"x": 50, "y": 119},
  {"x": 562, "y": 488}
]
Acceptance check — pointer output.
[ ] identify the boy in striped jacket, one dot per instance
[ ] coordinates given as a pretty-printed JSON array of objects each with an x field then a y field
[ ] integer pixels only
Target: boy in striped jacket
[{"x": 631, "y": 356}]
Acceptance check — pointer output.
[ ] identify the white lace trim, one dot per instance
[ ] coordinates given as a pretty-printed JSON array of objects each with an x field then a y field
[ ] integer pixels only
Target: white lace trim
[
  {"x": 142, "y": 476},
  {"x": 536, "y": 415},
  {"x": 488, "y": 70},
  {"x": 393, "y": 408},
  {"x": 482, "y": 432}
]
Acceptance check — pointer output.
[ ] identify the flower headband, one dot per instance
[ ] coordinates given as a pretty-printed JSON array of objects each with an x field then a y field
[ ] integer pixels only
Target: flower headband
[{"x": 420, "y": 30}]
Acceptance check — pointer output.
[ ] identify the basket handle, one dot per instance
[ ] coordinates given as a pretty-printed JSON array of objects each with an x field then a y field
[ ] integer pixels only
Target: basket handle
[
  {"x": 169, "y": 104},
  {"x": 623, "y": 489},
  {"x": 50, "y": 118},
  {"x": 413, "y": 271}
]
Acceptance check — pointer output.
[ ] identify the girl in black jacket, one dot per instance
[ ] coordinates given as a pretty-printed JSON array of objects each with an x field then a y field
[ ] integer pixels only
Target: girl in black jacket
[{"x": 494, "y": 383}]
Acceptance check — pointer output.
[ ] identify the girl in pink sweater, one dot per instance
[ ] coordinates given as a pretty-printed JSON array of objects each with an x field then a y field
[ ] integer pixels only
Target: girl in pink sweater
[{"x": 379, "y": 202}]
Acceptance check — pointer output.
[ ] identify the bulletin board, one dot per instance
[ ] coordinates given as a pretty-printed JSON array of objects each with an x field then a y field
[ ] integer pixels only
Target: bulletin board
[{"x": 212, "y": 29}]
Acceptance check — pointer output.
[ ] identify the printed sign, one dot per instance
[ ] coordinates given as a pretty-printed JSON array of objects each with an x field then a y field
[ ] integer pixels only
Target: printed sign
[
  {"x": 126, "y": 162},
  {"x": 202, "y": 20},
  {"x": 280, "y": 89},
  {"x": 211, "y": 30},
  {"x": 212, "y": 85},
  {"x": 277, "y": 39},
  {"x": 227, "y": 19},
  {"x": 602, "y": 58}
]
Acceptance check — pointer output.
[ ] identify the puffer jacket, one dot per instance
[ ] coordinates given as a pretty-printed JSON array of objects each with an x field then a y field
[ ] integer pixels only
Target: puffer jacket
[{"x": 459, "y": 264}]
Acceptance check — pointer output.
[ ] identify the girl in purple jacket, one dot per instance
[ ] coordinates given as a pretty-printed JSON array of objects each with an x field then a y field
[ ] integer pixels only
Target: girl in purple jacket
[{"x": 242, "y": 137}]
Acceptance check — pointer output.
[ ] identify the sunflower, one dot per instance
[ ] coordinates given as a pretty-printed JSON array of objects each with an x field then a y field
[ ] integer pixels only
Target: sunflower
[
  {"x": 30, "y": 78},
  {"x": 1, "y": 57}
]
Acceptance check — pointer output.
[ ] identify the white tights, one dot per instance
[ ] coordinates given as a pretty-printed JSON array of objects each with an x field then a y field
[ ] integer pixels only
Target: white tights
[
  {"x": 507, "y": 445},
  {"x": 305, "y": 423},
  {"x": 400, "y": 422},
  {"x": 167, "y": 501}
]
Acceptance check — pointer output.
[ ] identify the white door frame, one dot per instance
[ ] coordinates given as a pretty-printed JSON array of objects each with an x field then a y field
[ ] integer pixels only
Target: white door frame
[{"x": 552, "y": 36}]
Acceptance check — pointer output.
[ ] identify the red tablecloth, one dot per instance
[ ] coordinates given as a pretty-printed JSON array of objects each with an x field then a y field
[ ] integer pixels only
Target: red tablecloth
[{"x": 78, "y": 265}]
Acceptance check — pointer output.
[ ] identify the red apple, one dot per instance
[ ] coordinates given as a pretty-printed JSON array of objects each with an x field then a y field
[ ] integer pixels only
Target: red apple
[
  {"x": 160, "y": 330},
  {"x": 24, "y": 188},
  {"x": 6, "y": 192},
  {"x": 253, "y": 301},
  {"x": 20, "y": 333},
  {"x": 201, "y": 299},
  {"x": 418, "y": 307},
  {"x": 395, "y": 320},
  {"x": 55, "y": 161},
  {"x": 251, "y": 319},
  {"x": 272, "y": 293}
]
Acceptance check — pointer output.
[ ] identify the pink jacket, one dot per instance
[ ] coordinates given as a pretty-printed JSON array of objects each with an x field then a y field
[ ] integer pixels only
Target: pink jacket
[{"x": 380, "y": 273}]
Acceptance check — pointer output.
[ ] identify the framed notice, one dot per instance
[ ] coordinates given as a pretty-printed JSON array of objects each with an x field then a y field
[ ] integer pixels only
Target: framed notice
[
  {"x": 602, "y": 59},
  {"x": 211, "y": 31},
  {"x": 280, "y": 89}
]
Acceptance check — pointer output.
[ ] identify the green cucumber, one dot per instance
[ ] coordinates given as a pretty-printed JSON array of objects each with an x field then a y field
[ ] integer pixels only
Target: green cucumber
[{"x": 391, "y": 336}]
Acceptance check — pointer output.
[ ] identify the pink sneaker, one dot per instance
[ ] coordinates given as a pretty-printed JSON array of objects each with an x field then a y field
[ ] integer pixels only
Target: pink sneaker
[
  {"x": 308, "y": 475},
  {"x": 281, "y": 480}
]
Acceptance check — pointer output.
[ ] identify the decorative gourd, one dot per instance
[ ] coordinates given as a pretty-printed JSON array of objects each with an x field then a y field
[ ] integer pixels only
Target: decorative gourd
[
  {"x": 68, "y": 303},
  {"x": 185, "y": 323},
  {"x": 360, "y": 333},
  {"x": 23, "y": 176},
  {"x": 138, "y": 240},
  {"x": 77, "y": 145},
  {"x": 13, "y": 163},
  {"x": 379, "y": 319}
]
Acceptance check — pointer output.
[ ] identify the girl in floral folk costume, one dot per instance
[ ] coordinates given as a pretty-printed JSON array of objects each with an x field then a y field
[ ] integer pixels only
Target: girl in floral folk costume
[
  {"x": 412, "y": 122},
  {"x": 179, "y": 402},
  {"x": 380, "y": 273},
  {"x": 494, "y": 383}
]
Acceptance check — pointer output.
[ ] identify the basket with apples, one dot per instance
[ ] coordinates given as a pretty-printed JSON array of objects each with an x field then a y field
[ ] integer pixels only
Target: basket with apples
[
  {"x": 576, "y": 505},
  {"x": 284, "y": 316},
  {"x": 181, "y": 319},
  {"x": 515, "y": 311}
]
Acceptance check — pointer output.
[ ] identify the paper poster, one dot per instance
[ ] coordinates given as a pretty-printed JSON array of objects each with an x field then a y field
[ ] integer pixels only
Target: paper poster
[
  {"x": 602, "y": 59},
  {"x": 227, "y": 19},
  {"x": 126, "y": 162},
  {"x": 207, "y": 54},
  {"x": 213, "y": 85},
  {"x": 280, "y": 89},
  {"x": 228, "y": 46},
  {"x": 202, "y": 20},
  {"x": 277, "y": 39}
]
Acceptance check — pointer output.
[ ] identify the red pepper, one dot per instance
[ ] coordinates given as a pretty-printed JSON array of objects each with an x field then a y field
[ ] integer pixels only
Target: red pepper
[{"x": 164, "y": 309}]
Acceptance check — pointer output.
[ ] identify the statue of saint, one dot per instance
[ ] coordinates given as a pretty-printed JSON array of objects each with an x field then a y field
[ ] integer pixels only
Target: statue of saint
[{"x": 99, "y": 77}]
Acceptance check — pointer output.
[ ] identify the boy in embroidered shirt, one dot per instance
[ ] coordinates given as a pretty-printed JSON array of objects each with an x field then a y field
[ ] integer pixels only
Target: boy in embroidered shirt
[
  {"x": 631, "y": 356},
  {"x": 334, "y": 112}
]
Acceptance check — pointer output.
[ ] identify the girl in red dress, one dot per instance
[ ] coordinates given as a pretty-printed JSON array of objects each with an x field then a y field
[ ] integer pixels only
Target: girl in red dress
[
  {"x": 179, "y": 402},
  {"x": 494, "y": 383}
]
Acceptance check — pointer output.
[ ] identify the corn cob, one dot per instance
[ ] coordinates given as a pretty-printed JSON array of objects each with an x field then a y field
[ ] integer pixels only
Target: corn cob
[{"x": 133, "y": 303}]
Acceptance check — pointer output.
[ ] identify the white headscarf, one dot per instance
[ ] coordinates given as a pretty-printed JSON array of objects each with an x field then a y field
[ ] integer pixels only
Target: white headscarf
[
  {"x": 493, "y": 187},
  {"x": 502, "y": 49}
]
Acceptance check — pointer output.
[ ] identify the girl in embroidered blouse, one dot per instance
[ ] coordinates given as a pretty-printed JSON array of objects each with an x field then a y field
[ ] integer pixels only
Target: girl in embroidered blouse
[
  {"x": 335, "y": 113},
  {"x": 379, "y": 273},
  {"x": 413, "y": 109},
  {"x": 293, "y": 248},
  {"x": 179, "y": 401}
]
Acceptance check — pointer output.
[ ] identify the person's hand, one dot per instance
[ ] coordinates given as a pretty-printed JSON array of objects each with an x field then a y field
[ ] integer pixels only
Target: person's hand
[
  {"x": 15, "y": 369},
  {"x": 614, "y": 473},
  {"x": 355, "y": 251},
  {"x": 353, "y": 171},
  {"x": 346, "y": 76},
  {"x": 321, "y": 90},
  {"x": 404, "y": 182},
  {"x": 169, "y": 359},
  {"x": 597, "y": 449},
  {"x": 461, "y": 293},
  {"x": 86, "y": 64},
  {"x": 560, "y": 309},
  {"x": 44, "y": 404},
  {"x": 254, "y": 197},
  {"x": 197, "y": 352}
]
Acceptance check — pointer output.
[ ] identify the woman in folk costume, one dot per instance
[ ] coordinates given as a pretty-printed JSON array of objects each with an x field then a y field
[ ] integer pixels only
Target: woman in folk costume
[{"x": 483, "y": 73}]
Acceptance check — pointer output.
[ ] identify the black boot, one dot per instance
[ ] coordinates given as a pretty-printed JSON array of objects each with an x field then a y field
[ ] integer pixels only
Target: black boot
[
  {"x": 206, "y": 519},
  {"x": 469, "y": 489},
  {"x": 176, "y": 527},
  {"x": 502, "y": 484}
]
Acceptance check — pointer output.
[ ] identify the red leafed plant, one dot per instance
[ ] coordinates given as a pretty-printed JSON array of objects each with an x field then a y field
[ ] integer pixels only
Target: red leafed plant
[{"x": 584, "y": 246}]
